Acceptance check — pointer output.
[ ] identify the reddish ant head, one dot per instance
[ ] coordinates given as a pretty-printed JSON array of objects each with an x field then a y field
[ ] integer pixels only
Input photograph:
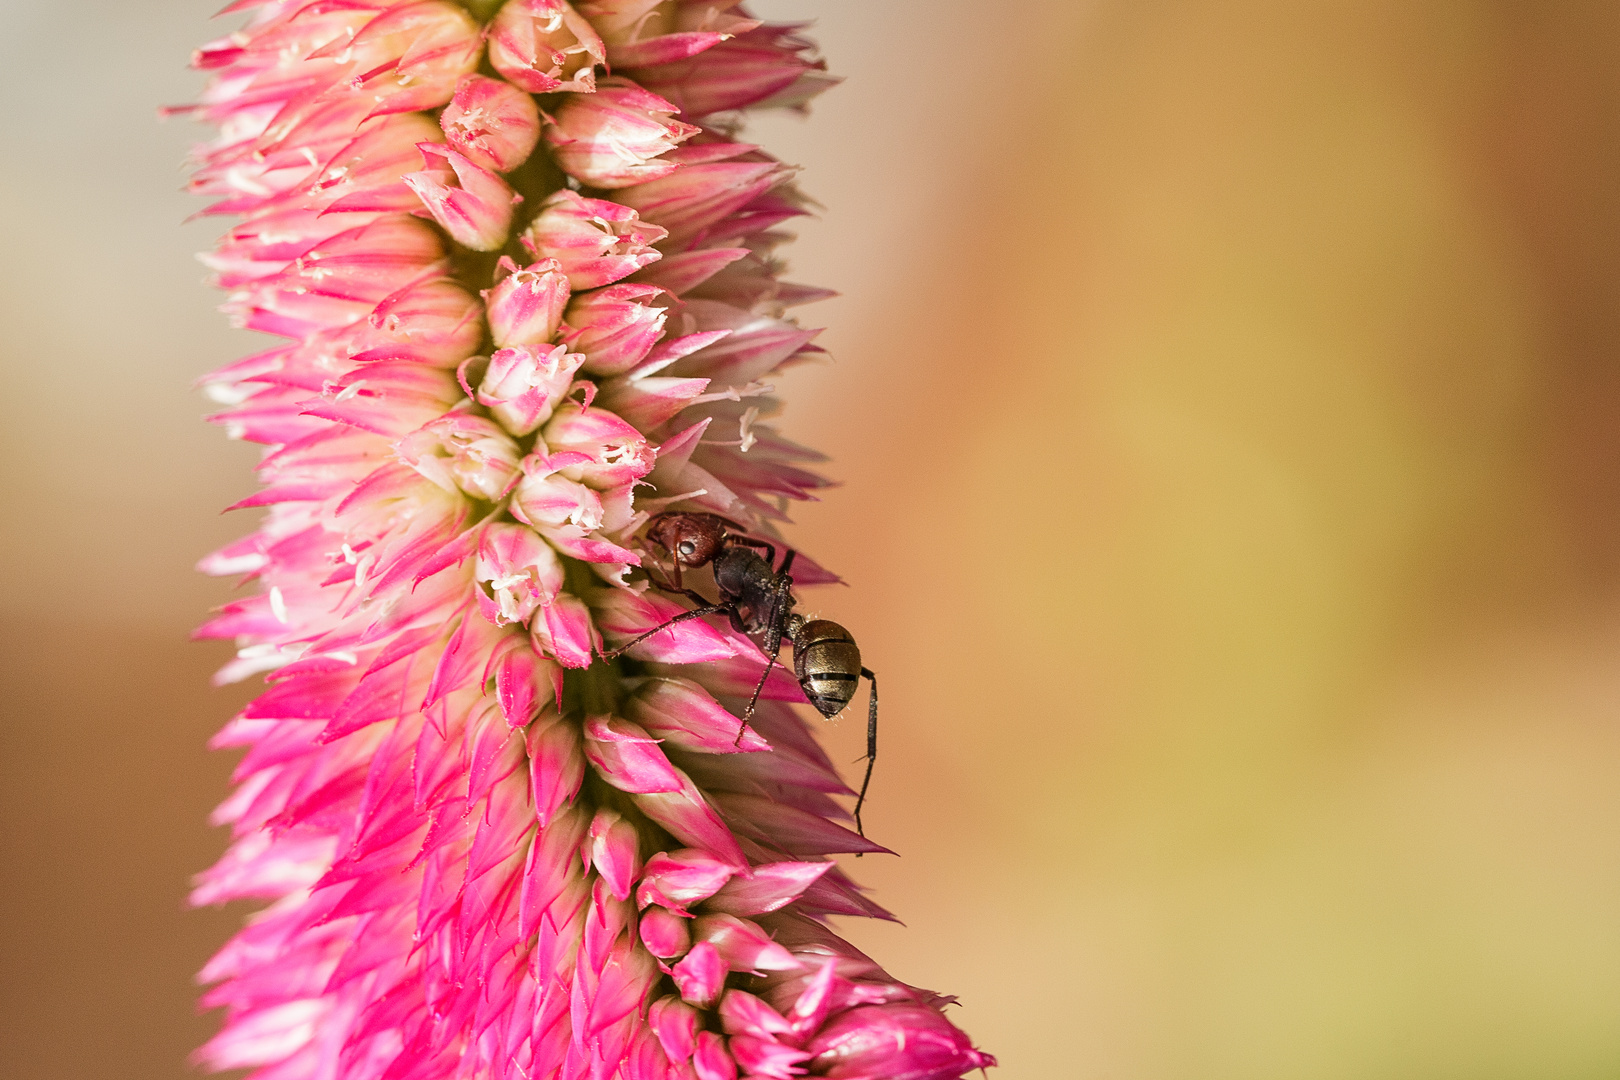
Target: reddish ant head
[{"x": 693, "y": 539}]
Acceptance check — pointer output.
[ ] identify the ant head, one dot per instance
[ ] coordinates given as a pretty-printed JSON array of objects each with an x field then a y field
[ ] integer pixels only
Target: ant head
[{"x": 693, "y": 539}]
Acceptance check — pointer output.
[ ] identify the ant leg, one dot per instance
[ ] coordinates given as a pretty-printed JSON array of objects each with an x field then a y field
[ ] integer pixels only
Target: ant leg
[
  {"x": 871, "y": 749},
  {"x": 706, "y": 609},
  {"x": 773, "y": 648},
  {"x": 787, "y": 563}
]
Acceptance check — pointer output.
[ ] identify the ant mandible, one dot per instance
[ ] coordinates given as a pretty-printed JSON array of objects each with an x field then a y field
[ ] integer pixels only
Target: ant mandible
[{"x": 759, "y": 600}]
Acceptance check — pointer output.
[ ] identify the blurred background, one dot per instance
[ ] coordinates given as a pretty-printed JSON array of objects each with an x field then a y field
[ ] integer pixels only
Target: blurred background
[{"x": 1227, "y": 396}]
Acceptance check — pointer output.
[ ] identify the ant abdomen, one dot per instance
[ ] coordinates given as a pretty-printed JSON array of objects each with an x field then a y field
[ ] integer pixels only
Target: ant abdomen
[{"x": 827, "y": 663}]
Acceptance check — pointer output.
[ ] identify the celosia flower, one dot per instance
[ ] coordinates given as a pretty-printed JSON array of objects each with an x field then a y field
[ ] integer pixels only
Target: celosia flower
[{"x": 489, "y": 851}]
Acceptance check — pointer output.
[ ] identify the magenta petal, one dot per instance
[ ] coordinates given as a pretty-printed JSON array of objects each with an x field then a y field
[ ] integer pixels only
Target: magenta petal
[
  {"x": 767, "y": 1057},
  {"x": 627, "y": 757},
  {"x": 556, "y": 764},
  {"x": 675, "y": 1023},
  {"x": 665, "y": 934},
  {"x": 773, "y": 886},
  {"x": 686, "y": 716},
  {"x": 743, "y": 945},
  {"x": 615, "y": 851},
  {"x": 898, "y": 1041},
  {"x": 742, "y": 1013},
  {"x": 710, "y": 1059},
  {"x": 678, "y": 879},
  {"x": 624, "y": 615},
  {"x": 700, "y": 975}
]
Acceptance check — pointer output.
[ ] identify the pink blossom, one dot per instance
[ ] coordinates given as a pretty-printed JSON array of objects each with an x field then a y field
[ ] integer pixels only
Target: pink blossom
[
  {"x": 472, "y": 204},
  {"x": 491, "y": 123},
  {"x": 617, "y": 136},
  {"x": 489, "y": 849},
  {"x": 596, "y": 241},
  {"x": 545, "y": 45}
]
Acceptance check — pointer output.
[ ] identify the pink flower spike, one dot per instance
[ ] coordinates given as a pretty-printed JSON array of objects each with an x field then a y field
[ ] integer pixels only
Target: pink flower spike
[
  {"x": 665, "y": 934},
  {"x": 476, "y": 863},
  {"x": 517, "y": 573},
  {"x": 524, "y": 383},
  {"x": 699, "y": 977},
  {"x": 898, "y": 1041},
  {"x": 544, "y": 46},
  {"x": 526, "y": 306},
  {"x": 614, "y": 137},
  {"x": 477, "y": 213},
  {"x": 678, "y": 879},
  {"x": 616, "y": 327},
  {"x": 597, "y": 242},
  {"x": 491, "y": 123}
]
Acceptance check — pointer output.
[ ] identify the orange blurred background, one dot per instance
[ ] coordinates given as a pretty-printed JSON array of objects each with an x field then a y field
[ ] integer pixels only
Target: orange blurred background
[{"x": 1227, "y": 396}]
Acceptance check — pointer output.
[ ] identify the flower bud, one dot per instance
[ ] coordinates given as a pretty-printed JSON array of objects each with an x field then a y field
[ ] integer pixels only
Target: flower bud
[
  {"x": 563, "y": 630},
  {"x": 597, "y": 242},
  {"x": 613, "y": 138},
  {"x": 550, "y": 500},
  {"x": 545, "y": 46},
  {"x": 665, "y": 933},
  {"x": 526, "y": 306},
  {"x": 478, "y": 213},
  {"x": 435, "y": 323},
  {"x": 676, "y": 879},
  {"x": 646, "y": 33},
  {"x": 899, "y": 1039},
  {"x": 615, "y": 327},
  {"x": 675, "y": 1023},
  {"x": 699, "y": 977},
  {"x": 614, "y": 452},
  {"x": 410, "y": 56},
  {"x": 615, "y": 851},
  {"x": 462, "y": 451},
  {"x": 743, "y": 944},
  {"x": 769, "y": 64},
  {"x": 491, "y": 123},
  {"x": 516, "y": 572},
  {"x": 524, "y": 384}
]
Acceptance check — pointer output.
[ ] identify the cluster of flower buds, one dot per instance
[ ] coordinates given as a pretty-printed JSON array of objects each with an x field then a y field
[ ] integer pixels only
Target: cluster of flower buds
[{"x": 511, "y": 331}]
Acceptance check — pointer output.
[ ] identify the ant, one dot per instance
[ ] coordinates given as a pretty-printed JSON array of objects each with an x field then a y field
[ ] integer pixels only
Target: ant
[{"x": 759, "y": 600}]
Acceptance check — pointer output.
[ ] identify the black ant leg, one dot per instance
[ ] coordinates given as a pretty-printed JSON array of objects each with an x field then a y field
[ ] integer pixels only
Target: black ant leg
[
  {"x": 787, "y": 563},
  {"x": 772, "y": 651},
  {"x": 696, "y": 613},
  {"x": 871, "y": 749}
]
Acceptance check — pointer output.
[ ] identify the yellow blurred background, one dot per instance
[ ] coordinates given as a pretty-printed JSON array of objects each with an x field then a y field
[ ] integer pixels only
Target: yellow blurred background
[{"x": 1226, "y": 395}]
